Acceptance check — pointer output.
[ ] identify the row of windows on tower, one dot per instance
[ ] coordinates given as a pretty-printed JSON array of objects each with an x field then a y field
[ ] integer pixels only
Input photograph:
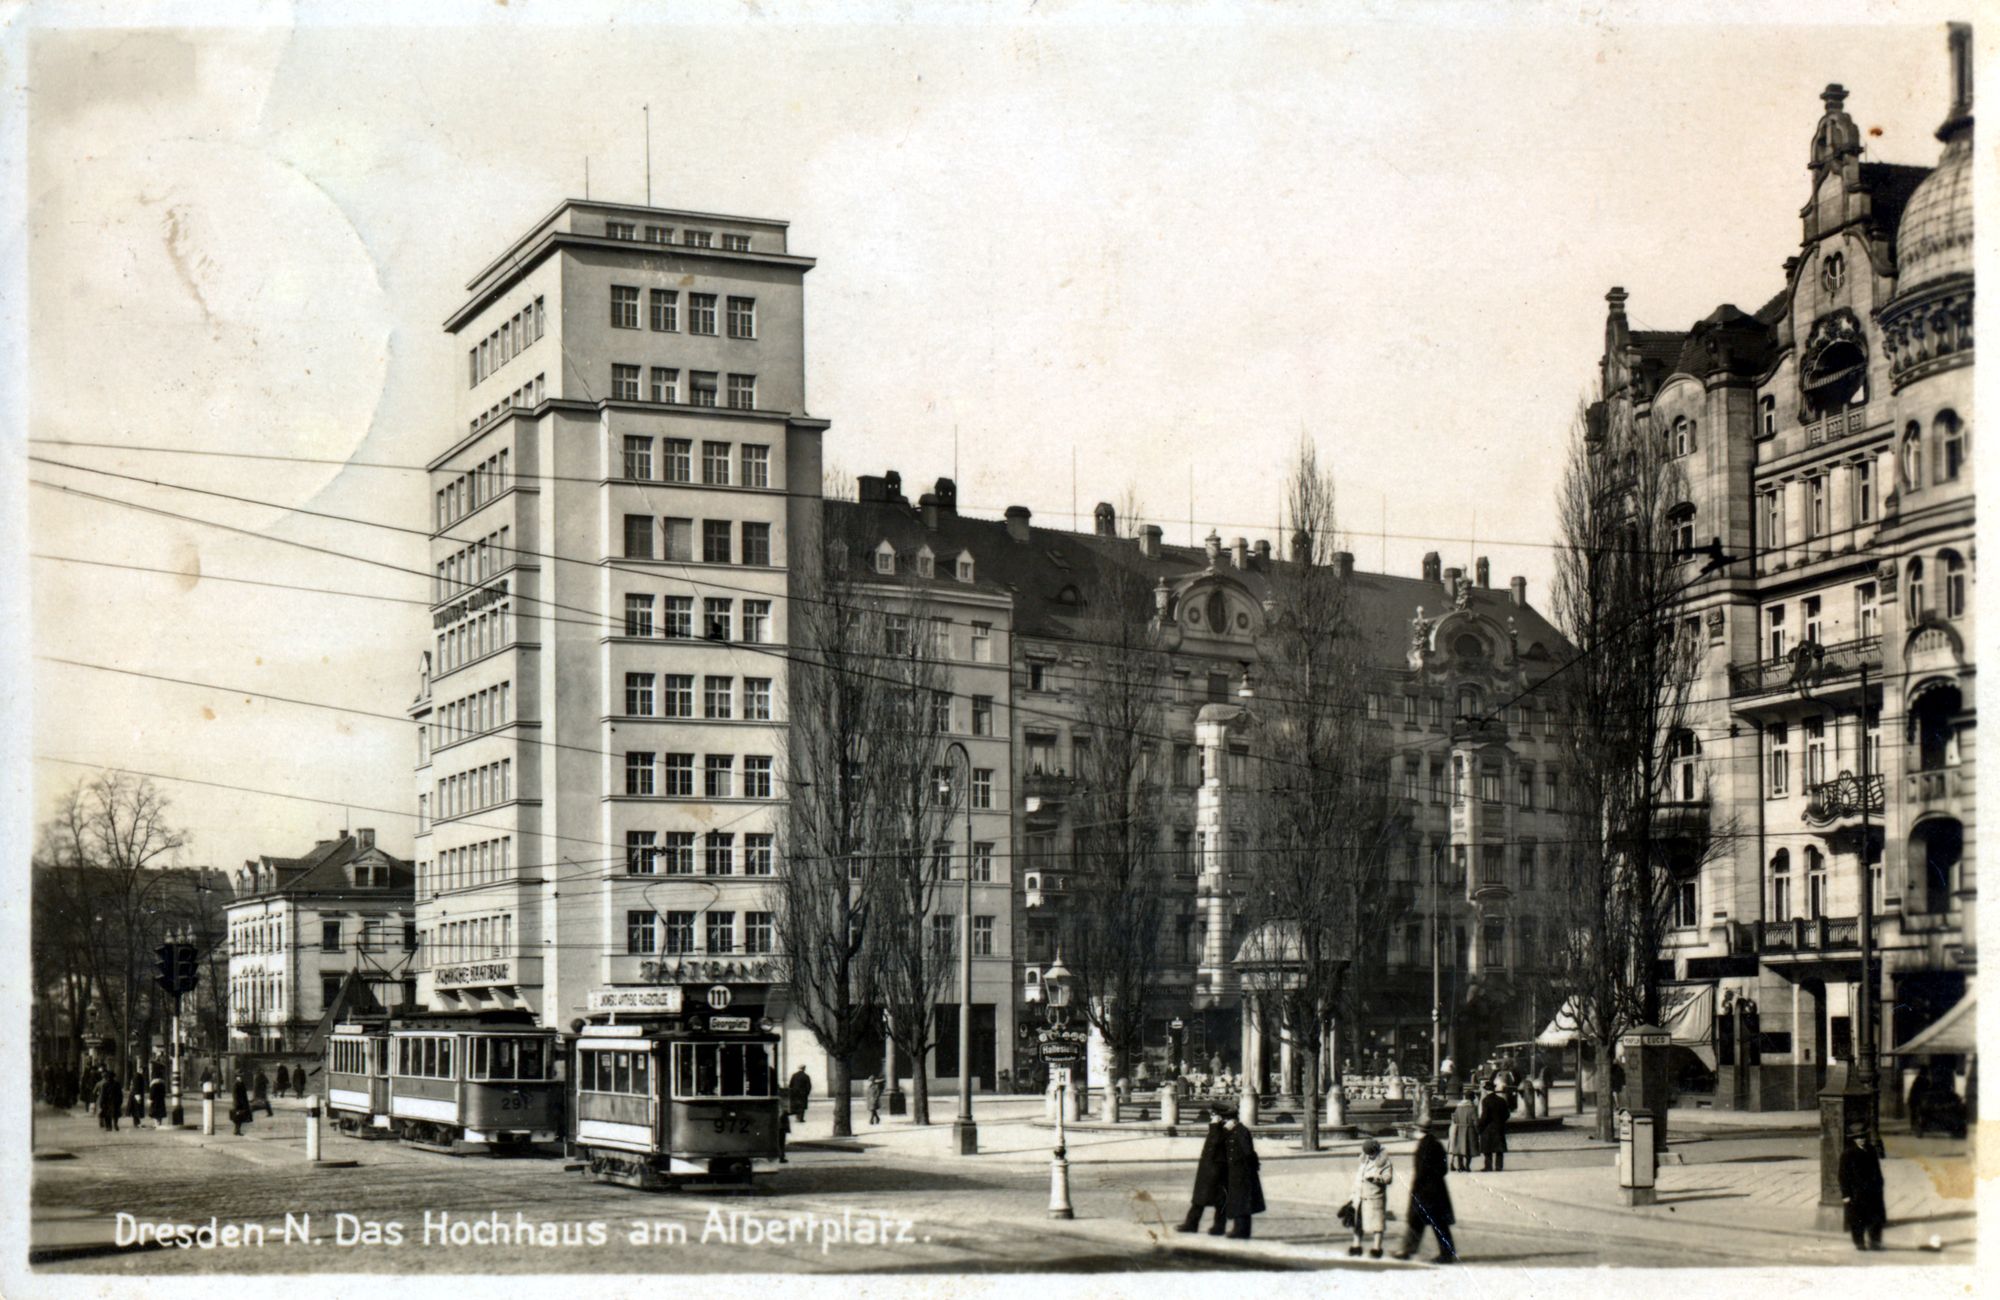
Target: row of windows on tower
[
  {"x": 672, "y": 776},
  {"x": 665, "y": 387},
  {"x": 677, "y": 540},
  {"x": 672, "y": 695},
  {"x": 732, "y": 241},
  {"x": 473, "y": 489},
  {"x": 677, "y": 618},
  {"x": 514, "y": 336},
  {"x": 673, "y": 853},
  {"x": 648, "y": 932},
  {"x": 663, "y": 312},
  {"x": 750, "y": 461}
]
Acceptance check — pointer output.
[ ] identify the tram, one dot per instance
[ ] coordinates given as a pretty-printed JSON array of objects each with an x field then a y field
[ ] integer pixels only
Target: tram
[
  {"x": 465, "y": 1083},
  {"x": 357, "y": 1079},
  {"x": 664, "y": 1099}
]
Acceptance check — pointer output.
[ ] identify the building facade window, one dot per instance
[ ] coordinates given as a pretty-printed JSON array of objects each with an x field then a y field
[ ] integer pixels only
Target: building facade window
[
  {"x": 625, "y": 383},
  {"x": 742, "y": 318},
  {"x": 1781, "y": 885},
  {"x": 757, "y": 544},
  {"x": 1953, "y": 565},
  {"x": 624, "y": 306},
  {"x": 1779, "y": 758},
  {"x": 664, "y": 307},
  {"x": 1950, "y": 446},
  {"x": 701, "y": 313},
  {"x": 1913, "y": 457},
  {"x": 638, "y": 458},
  {"x": 756, "y": 465}
]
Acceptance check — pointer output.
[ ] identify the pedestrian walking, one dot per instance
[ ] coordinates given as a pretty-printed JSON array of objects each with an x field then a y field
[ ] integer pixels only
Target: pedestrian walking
[
  {"x": 1372, "y": 1177},
  {"x": 1861, "y": 1192},
  {"x": 1430, "y": 1201},
  {"x": 800, "y": 1091},
  {"x": 1493, "y": 1111},
  {"x": 135, "y": 1100},
  {"x": 239, "y": 1106},
  {"x": 108, "y": 1101},
  {"x": 284, "y": 1079},
  {"x": 262, "y": 1087},
  {"x": 1464, "y": 1131},
  {"x": 298, "y": 1083},
  {"x": 873, "y": 1094},
  {"x": 1244, "y": 1195},
  {"x": 158, "y": 1102},
  {"x": 1211, "y": 1176}
]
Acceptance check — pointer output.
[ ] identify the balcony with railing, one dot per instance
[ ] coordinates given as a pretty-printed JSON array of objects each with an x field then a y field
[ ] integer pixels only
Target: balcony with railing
[
  {"x": 1845, "y": 798},
  {"x": 1935, "y": 787},
  {"x": 1834, "y": 666},
  {"x": 1802, "y": 937}
]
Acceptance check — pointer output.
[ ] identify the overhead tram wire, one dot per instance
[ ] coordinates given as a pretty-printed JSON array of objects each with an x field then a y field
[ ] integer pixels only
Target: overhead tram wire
[
  {"x": 609, "y": 623},
  {"x": 602, "y": 480}
]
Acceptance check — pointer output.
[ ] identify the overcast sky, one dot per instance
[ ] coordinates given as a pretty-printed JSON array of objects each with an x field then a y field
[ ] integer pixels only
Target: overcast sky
[{"x": 1162, "y": 241}]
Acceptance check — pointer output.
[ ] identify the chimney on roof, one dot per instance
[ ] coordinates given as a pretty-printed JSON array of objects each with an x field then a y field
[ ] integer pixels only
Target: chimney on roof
[
  {"x": 1302, "y": 545},
  {"x": 927, "y": 505},
  {"x": 872, "y": 489},
  {"x": 1106, "y": 519},
  {"x": 1213, "y": 545},
  {"x": 1239, "y": 553},
  {"x": 365, "y": 837},
  {"x": 1017, "y": 522},
  {"x": 892, "y": 484},
  {"x": 1451, "y": 581},
  {"x": 1483, "y": 571},
  {"x": 1430, "y": 566},
  {"x": 1343, "y": 563},
  {"x": 1520, "y": 586},
  {"x": 1149, "y": 541},
  {"x": 1262, "y": 550}
]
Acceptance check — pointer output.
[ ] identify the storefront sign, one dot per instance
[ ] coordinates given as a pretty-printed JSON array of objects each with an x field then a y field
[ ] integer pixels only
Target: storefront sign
[
  {"x": 707, "y": 970},
  {"x": 473, "y": 975},
  {"x": 666, "y": 1000},
  {"x": 472, "y": 604}
]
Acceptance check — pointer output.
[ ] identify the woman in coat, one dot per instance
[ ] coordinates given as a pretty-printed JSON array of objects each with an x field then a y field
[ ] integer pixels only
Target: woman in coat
[
  {"x": 262, "y": 1086},
  {"x": 108, "y": 1101},
  {"x": 1493, "y": 1111},
  {"x": 1861, "y": 1192},
  {"x": 284, "y": 1080},
  {"x": 135, "y": 1100},
  {"x": 239, "y": 1105},
  {"x": 1464, "y": 1132},
  {"x": 1211, "y": 1176},
  {"x": 158, "y": 1102},
  {"x": 1371, "y": 1197},
  {"x": 1245, "y": 1193}
]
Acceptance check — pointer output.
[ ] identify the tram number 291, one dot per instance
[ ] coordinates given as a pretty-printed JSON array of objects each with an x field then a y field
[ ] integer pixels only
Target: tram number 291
[
  {"x": 515, "y": 1100},
  {"x": 732, "y": 1124}
]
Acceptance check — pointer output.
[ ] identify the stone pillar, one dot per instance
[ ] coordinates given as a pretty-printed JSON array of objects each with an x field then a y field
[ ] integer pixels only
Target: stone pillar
[
  {"x": 1795, "y": 521},
  {"x": 1253, "y": 1059},
  {"x": 1840, "y": 505},
  {"x": 1284, "y": 1060}
]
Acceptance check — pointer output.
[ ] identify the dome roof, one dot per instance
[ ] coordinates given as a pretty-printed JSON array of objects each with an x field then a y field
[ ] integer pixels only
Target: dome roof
[{"x": 1935, "y": 239}]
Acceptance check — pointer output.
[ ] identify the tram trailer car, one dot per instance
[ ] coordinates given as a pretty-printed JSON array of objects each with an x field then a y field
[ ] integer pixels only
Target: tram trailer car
[
  {"x": 357, "y": 1080},
  {"x": 665, "y": 1101},
  {"x": 466, "y": 1084}
]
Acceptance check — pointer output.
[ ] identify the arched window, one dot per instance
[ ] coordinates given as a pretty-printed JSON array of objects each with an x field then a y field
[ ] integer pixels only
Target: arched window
[
  {"x": 1815, "y": 884},
  {"x": 1680, "y": 527},
  {"x": 1781, "y": 885},
  {"x": 1915, "y": 584},
  {"x": 1953, "y": 565},
  {"x": 1950, "y": 445},
  {"x": 1913, "y": 457},
  {"x": 1769, "y": 407},
  {"x": 1469, "y": 701}
]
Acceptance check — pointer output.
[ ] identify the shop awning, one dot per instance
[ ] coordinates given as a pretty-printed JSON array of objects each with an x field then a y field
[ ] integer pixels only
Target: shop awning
[
  {"x": 1955, "y": 1033},
  {"x": 1561, "y": 1031},
  {"x": 1687, "y": 1011}
]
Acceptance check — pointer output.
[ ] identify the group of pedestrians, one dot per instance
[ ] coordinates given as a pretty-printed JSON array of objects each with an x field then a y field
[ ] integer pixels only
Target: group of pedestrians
[
  {"x": 1226, "y": 1179},
  {"x": 1479, "y": 1127}
]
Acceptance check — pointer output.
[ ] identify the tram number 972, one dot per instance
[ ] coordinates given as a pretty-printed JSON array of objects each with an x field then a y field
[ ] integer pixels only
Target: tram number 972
[{"x": 731, "y": 1124}]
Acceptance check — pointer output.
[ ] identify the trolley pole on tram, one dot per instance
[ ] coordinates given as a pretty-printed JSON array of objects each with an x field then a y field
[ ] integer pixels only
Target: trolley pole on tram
[{"x": 964, "y": 1130}]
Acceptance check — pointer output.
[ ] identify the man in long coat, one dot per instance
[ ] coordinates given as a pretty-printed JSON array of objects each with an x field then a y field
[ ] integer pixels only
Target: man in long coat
[
  {"x": 109, "y": 1099},
  {"x": 1493, "y": 1111},
  {"x": 800, "y": 1088},
  {"x": 1465, "y": 1131},
  {"x": 1430, "y": 1201},
  {"x": 1861, "y": 1192},
  {"x": 1211, "y": 1176},
  {"x": 158, "y": 1102},
  {"x": 239, "y": 1105},
  {"x": 1244, "y": 1195}
]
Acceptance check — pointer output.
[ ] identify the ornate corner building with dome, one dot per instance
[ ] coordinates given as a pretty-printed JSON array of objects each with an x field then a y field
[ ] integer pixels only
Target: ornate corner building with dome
[{"x": 1827, "y": 441}]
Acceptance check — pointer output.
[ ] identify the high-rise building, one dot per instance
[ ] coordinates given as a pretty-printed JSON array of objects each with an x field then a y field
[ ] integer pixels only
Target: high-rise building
[
  {"x": 1827, "y": 439},
  {"x": 602, "y": 706}
]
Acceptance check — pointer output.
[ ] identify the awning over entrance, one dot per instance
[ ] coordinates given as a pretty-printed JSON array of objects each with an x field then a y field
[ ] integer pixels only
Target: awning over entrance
[
  {"x": 1687, "y": 1011},
  {"x": 1955, "y": 1033}
]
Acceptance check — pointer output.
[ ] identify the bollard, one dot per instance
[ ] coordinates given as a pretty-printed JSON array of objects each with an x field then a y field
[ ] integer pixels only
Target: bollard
[
  {"x": 208, "y": 1110},
  {"x": 1170, "y": 1106},
  {"x": 312, "y": 1129},
  {"x": 1336, "y": 1107},
  {"x": 1059, "y": 1205}
]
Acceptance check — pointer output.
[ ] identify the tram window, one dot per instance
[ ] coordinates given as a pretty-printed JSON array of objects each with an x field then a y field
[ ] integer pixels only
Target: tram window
[
  {"x": 430, "y": 1058},
  {"x": 444, "y": 1058},
  {"x": 621, "y": 1077},
  {"x": 723, "y": 1070},
  {"x": 533, "y": 1063},
  {"x": 479, "y": 1059},
  {"x": 639, "y": 1072},
  {"x": 503, "y": 1059}
]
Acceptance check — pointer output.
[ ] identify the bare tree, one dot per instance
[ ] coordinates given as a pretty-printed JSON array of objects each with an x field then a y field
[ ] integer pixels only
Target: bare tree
[
  {"x": 1324, "y": 816},
  {"x": 1621, "y": 701},
  {"x": 1111, "y": 931},
  {"x": 857, "y": 881},
  {"x": 104, "y": 848}
]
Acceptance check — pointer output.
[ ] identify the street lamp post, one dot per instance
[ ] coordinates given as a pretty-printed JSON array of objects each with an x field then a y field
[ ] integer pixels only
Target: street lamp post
[
  {"x": 964, "y": 1130},
  {"x": 1055, "y": 985}
]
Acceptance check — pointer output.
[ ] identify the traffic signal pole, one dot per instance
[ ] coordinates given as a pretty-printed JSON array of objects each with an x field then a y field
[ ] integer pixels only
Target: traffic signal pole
[{"x": 178, "y": 1117}]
